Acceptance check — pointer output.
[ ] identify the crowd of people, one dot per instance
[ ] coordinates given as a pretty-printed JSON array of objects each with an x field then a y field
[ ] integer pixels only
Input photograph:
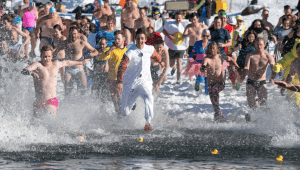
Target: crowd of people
[{"x": 131, "y": 61}]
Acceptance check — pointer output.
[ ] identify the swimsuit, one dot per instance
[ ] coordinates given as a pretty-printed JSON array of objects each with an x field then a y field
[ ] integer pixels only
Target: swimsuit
[
  {"x": 54, "y": 102},
  {"x": 110, "y": 36},
  {"x": 155, "y": 71},
  {"x": 256, "y": 84},
  {"x": 48, "y": 39},
  {"x": 74, "y": 71},
  {"x": 130, "y": 29}
]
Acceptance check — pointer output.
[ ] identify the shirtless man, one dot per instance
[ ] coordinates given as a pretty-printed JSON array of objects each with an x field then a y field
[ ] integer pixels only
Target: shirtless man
[
  {"x": 143, "y": 22},
  {"x": 45, "y": 73},
  {"x": 46, "y": 26},
  {"x": 265, "y": 16},
  {"x": 294, "y": 69},
  {"x": 212, "y": 65},
  {"x": 287, "y": 11},
  {"x": 128, "y": 17},
  {"x": 194, "y": 31},
  {"x": 256, "y": 66},
  {"x": 73, "y": 48},
  {"x": 104, "y": 12},
  {"x": 155, "y": 66}
]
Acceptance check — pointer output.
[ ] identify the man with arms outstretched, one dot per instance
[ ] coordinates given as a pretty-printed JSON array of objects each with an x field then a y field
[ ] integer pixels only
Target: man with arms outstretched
[{"x": 45, "y": 73}]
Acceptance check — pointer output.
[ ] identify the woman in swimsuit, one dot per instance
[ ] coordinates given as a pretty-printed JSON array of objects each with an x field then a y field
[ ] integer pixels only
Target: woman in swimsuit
[
  {"x": 195, "y": 59},
  {"x": 109, "y": 30}
]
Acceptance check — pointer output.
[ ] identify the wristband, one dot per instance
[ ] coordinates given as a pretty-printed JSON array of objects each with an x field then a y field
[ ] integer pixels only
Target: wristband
[{"x": 26, "y": 72}]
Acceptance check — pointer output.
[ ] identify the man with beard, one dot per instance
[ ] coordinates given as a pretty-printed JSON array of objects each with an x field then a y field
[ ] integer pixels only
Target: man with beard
[
  {"x": 46, "y": 27},
  {"x": 128, "y": 16},
  {"x": 135, "y": 76},
  {"x": 73, "y": 47}
]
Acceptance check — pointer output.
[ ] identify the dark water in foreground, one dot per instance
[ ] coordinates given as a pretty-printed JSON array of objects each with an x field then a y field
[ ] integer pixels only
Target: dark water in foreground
[{"x": 237, "y": 150}]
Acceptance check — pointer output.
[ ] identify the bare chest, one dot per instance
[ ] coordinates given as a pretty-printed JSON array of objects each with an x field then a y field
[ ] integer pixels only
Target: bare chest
[
  {"x": 259, "y": 62},
  {"x": 74, "y": 48}
]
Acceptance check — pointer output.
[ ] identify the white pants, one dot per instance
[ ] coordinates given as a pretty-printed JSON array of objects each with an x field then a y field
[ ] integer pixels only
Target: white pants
[{"x": 130, "y": 94}]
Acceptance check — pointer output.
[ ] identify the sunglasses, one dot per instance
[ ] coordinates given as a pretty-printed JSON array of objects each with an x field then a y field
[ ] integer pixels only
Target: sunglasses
[
  {"x": 257, "y": 26},
  {"x": 205, "y": 36}
]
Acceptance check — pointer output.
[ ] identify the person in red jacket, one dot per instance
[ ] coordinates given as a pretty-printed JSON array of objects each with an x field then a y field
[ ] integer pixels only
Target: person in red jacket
[{"x": 152, "y": 36}]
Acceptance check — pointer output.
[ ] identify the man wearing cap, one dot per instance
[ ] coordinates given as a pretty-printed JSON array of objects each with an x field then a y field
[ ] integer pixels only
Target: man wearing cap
[
  {"x": 46, "y": 27},
  {"x": 265, "y": 16},
  {"x": 103, "y": 11},
  {"x": 173, "y": 31},
  {"x": 128, "y": 16},
  {"x": 287, "y": 11},
  {"x": 158, "y": 21}
]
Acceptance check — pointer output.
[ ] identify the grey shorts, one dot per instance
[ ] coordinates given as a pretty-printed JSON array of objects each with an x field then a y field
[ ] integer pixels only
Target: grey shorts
[{"x": 174, "y": 54}]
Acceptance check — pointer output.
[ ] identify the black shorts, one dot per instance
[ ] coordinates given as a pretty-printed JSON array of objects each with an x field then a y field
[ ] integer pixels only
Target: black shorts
[
  {"x": 256, "y": 84},
  {"x": 99, "y": 81},
  {"x": 155, "y": 72},
  {"x": 174, "y": 54},
  {"x": 241, "y": 63},
  {"x": 190, "y": 49}
]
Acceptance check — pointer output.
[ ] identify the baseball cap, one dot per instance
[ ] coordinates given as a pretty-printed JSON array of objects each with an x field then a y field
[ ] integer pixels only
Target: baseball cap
[{"x": 52, "y": 9}]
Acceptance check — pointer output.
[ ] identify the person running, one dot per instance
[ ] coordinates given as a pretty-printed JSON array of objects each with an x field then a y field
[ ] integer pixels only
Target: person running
[
  {"x": 158, "y": 21},
  {"x": 287, "y": 11},
  {"x": 128, "y": 16},
  {"x": 156, "y": 67},
  {"x": 46, "y": 27},
  {"x": 281, "y": 33},
  {"x": 173, "y": 31},
  {"x": 134, "y": 77},
  {"x": 45, "y": 73},
  {"x": 109, "y": 30},
  {"x": 101, "y": 69},
  {"x": 143, "y": 22},
  {"x": 116, "y": 56},
  {"x": 73, "y": 47},
  {"x": 246, "y": 46},
  {"x": 152, "y": 36},
  {"x": 195, "y": 59},
  {"x": 29, "y": 16},
  {"x": 220, "y": 35},
  {"x": 194, "y": 31},
  {"x": 204, "y": 11},
  {"x": 294, "y": 70},
  {"x": 256, "y": 67},
  {"x": 214, "y": 67}
]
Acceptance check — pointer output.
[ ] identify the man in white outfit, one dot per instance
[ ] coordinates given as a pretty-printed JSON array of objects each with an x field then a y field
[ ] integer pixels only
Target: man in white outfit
[{"x": 134, "y": 77}]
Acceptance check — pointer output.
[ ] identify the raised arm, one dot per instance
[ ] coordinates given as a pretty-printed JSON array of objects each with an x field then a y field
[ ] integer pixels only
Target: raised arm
[
  {"x": 279, "y": 22},
  {"x": 29, "y": 70},
  {"x": 93, "y": 51},
  {"x": 230, "y": 59}
]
